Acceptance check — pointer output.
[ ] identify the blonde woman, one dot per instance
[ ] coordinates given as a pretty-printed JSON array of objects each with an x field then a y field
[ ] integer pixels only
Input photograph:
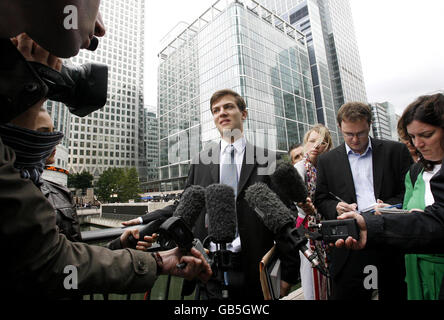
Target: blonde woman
[{"x": 316, "y": 141}]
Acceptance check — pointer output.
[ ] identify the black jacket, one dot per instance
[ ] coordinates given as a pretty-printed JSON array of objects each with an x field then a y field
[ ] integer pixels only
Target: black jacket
[
  {"x": 391, "y": 161},
  {"x": 65, "y": 209},
  {"x": 256, "y": 239}
]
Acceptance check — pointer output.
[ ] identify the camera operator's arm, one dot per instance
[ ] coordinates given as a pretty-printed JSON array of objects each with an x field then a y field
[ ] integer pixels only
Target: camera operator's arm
[
  {"x": 161, "y": 213},
  {"x": 122, "y": 241}
]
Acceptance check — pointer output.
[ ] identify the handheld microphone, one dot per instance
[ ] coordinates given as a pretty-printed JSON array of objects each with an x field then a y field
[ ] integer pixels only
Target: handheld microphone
[
  {"x": 221, "y": 210},
  {"x": 288, "y": 184},
  {"x": 177, "y": 229},
  {"x": 191, "y": 204},
  {"x": 93, "y": 44},
  {"x": 278, "y": 219}
]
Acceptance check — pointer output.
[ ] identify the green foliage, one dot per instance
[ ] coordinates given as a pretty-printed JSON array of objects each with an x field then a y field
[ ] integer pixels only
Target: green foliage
[
  {"x": 118, "y": 185},
  {"x": 80, "y": 180}
]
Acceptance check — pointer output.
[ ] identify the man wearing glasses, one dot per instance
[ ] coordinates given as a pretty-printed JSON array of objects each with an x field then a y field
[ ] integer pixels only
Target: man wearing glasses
[{"x": 353, "y": 177}]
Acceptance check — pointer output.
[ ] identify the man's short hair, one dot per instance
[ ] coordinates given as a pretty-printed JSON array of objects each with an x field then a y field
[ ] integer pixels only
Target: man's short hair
[
  {"x": 354, "y": 111},
  {"x": 294, "y": 146},
  {"x": 225, "y": 92}
]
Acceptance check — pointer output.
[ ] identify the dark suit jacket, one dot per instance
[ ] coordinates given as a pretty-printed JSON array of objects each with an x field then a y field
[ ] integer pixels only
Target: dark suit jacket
[
  {"x": 391, "y": 161},
  {"x": 256, "y": 239}
]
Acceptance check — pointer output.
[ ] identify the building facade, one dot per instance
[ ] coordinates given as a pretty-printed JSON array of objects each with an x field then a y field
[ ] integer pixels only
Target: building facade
[
  {"x": 384, "y": 121},
  {"x": 113, "y": 136},
  {"x": 243, "y": 46},
  {"x": 333, "y": 51},
  {"x": 148, "y": 172}
]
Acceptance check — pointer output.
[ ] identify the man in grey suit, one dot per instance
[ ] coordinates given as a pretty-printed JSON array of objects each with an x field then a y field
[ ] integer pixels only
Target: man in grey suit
[
  {"x": 253, "y": 164},
  {"x": 354, "y": 176}
]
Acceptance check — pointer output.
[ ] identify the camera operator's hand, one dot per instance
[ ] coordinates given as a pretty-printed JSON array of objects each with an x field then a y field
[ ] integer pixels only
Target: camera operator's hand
[
  {"x": 196, "y": 265},
  {"x": 31, "y": 51},
  {"x": 132, "y": 222},
  {"x": 351, "y": 243},
  {"x": 141, "y": 245}
]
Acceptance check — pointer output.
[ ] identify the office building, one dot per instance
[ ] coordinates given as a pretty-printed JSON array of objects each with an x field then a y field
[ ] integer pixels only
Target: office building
[
  {"x": 112, "y": 136},
  {"x": 243, "y": 46},
  {"x": 384, "y": 121},
  {"x": 148, "y": 172},
  {"x": 334, "y": 55}
]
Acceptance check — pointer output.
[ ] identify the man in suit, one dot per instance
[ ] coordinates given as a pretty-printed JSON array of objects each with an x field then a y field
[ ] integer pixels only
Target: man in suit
[
  {"x": 252, "y": 163},
  {"x": 355, "y": 176}
]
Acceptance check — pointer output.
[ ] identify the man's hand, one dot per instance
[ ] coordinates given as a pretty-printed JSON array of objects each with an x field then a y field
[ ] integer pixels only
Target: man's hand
[
  {"x": 132, "y": 222},
  {"x": 351, "y": 243},
  {"x": 343, "y": 207},
  {"x": 141, "y": 245},
  {"x": 31, "y": 51},
  {"x": 196, "y": 265}
]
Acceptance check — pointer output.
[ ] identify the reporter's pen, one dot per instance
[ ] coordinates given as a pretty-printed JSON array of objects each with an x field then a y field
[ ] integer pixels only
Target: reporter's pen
[{"x": 336, "y": 197}]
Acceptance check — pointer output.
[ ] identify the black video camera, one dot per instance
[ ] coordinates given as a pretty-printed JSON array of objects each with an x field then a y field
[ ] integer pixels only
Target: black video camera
[
  {"x": 175, "y": 231},
  {"x": 333, "y": 230},
  {"x": 22, "y": 84}
]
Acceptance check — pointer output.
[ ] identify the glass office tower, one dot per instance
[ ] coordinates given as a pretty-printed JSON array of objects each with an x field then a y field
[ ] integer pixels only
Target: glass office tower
[
  {"x": 113, "y": 136},
  {"x": 334, "y": 55},
  {"x": 243, "y": 46},
  {"x": 384, "y": 121}
]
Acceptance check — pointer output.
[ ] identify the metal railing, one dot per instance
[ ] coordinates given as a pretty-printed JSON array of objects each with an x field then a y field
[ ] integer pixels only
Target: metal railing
[{"x": 165, "y": 288}]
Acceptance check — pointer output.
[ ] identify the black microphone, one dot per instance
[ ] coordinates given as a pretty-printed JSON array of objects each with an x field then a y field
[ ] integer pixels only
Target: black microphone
[
  {"x": 279, "y": 220},
  {"x": 221, "y": 210},
  {"x": 93, "y": 44},
  {"x": 288, "y": 184},
  {"x": 190, "y": 206},
  {"x": 177, "y": 229}
]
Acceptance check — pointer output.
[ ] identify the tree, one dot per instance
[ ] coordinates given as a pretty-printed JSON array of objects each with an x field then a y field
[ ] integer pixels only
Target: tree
[
  {"x": 130, "y": 188},
  {"x": 118, "y": 185},
  {"x": 80, "y": 180}
]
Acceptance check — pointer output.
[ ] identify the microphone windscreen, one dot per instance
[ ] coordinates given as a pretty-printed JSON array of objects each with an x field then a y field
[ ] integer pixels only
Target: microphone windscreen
[
  {"x": 288, "y": 184},
  {"x": 270, "y": 209},
  {"x": 221, "y": 210},
  {"x": 191, "y": 204}
]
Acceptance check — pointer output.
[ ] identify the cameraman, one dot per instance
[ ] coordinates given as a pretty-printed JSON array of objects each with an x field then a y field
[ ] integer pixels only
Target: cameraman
[{"x": 36, "y": 253}]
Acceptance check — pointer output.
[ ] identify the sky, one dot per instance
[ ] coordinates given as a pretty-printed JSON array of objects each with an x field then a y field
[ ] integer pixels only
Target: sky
[{"x": 401, "y": 44}]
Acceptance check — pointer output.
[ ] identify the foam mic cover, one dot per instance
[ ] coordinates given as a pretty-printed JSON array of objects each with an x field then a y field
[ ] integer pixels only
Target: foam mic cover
[
  {"x": 221, "y": 210},
  {"x": 191, "y": 204},
  {"x": 288, "y": 184},
  {"x": 270, "y": 209}
]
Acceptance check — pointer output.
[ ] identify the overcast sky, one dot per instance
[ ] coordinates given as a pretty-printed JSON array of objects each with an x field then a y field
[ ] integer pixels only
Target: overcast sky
[{"x": 401, "y": 44}]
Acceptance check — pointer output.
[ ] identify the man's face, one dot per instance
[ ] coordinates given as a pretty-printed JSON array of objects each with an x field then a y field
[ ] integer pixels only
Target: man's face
[
  {"x": 296, "y": 154},
  {"x": 227, "y": 116},
  {"x": 43, "y": 123},
  {"x": 356, "y": 134}
]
